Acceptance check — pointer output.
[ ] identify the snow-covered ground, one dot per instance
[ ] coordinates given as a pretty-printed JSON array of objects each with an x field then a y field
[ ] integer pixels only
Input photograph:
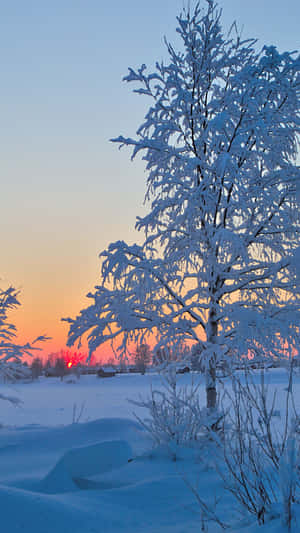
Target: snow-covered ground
[
  {"x": 51, "y": 402},
  {"x": 102, "y": 474}
]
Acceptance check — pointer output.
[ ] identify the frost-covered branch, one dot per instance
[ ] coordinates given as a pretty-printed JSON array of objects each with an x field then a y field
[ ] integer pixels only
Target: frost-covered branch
[{"x": 11, "y": 352}]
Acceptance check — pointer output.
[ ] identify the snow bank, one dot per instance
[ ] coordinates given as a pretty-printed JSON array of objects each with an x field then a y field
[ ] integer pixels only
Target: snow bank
[
  {"x": 79, "y": 463},
  {"x": 45, "y": 471}
]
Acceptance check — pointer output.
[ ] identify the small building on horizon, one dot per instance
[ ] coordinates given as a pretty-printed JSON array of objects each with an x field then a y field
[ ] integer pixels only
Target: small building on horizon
[{"x": 106, "y": 372}]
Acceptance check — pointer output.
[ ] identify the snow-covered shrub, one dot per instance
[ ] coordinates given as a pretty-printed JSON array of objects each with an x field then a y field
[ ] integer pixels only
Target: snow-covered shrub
[
  {"x": 261, "y": 467},
  {"x": 175, "y": 413},
  {"x": 142, "y": 357}
]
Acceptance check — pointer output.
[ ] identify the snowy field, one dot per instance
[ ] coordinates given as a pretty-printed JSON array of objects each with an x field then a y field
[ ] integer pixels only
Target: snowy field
[
  {"x": 50, "y": 402},
  {"x": 102, "y": 474}
]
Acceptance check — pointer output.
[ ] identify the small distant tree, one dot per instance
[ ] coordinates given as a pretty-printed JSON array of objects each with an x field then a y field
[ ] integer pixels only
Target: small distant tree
[
  {"x": 220, "y": 141},
  {"x": 142, "y": 357},
  {"x": 123, "y": 366},
  {"x": 36, "y": 368},
  {"x": 110, "y": 362},
  {"x": 60, "y": 368},
  {"x": 160, "y": 356},
  {"x": 50, "y": 361}
]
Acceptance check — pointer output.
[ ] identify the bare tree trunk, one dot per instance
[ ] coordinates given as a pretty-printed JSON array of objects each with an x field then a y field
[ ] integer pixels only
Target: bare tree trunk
[{"x": 211, "y": 389}]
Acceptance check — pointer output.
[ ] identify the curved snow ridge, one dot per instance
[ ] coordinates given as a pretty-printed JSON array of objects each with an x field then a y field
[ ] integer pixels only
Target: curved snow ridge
[
  {"x": 27, "y": 456},
  {"x": 78, "y": 464}
]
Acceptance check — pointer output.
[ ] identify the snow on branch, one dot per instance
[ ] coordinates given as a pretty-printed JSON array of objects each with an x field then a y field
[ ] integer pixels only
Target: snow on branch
[{"x": 11, "y": 352}]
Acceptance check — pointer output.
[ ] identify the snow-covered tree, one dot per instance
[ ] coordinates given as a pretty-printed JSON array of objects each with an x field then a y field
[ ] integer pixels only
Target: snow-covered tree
[
  {"x": 220, "y": 141},
  {"x": 11, "y": 352},
  {"x": 36, "y": 368}
]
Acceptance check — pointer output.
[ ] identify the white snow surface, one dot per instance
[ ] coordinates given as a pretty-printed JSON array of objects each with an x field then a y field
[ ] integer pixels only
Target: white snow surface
[{"x": 103, "y": 474}]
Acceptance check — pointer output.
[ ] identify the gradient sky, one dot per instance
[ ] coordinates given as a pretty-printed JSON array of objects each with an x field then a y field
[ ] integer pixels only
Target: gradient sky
[{"x": 66, "y": 191}]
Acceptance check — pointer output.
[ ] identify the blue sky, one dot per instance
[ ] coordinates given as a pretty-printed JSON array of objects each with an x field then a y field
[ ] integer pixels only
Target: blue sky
[{"x": 66, "y": 191}]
